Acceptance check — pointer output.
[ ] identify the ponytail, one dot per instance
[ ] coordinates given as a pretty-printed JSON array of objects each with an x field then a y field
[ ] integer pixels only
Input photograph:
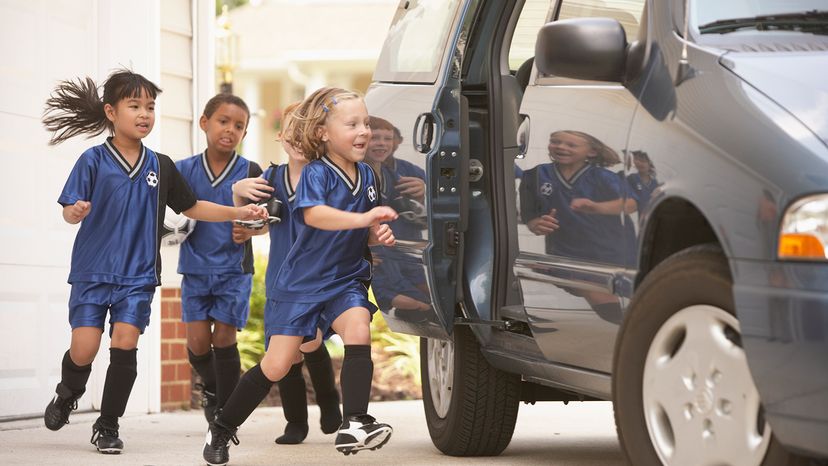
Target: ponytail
[{"x": 74, "y": 108}]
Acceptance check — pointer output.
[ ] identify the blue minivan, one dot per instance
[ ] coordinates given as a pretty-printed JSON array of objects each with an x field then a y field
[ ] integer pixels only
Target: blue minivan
[{"x": 619, "y": 200}]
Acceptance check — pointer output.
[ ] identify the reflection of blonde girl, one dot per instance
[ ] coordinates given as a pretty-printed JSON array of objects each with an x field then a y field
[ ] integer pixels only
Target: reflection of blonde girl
[{"x": 574, "y": 201}]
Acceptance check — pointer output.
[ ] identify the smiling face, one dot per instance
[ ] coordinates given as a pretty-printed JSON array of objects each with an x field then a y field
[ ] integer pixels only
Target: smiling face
[
  {"x": 225, "y": 128},
  {"x": 346, "y": 132},
  {"x": 382, "y": 145},
  {"x": 569, "y": 149},
  {"x": 132, "y": 117}
]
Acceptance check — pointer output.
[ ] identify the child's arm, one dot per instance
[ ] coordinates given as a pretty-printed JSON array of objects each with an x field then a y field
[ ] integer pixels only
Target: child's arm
[
  {"x": 242, "y": 234},
  {"x": 544, "y": 224},
  {"x": 251, "y": 189},
  {"x": 613, "y": 207},
  {"x": 324, "y": 217},
  {"x": 74, "y": 213},
  {"x": 207, "y": 211}
]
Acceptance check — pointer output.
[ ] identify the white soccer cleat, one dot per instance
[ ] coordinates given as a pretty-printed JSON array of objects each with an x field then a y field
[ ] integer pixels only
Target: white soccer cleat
[{"x": 362, "y": 432}]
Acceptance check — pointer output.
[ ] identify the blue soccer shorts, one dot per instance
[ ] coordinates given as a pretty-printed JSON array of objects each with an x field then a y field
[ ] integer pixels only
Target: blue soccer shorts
[
  {"x": 223, "y": 298},
  {"x": 89, "y": 303},
  {"x": 302, "y": 319}
]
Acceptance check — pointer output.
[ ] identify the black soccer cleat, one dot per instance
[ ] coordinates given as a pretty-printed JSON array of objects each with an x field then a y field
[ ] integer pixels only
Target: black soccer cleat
[
  {"x": 105, "y": 438},
  {"x": 362, "y": 432},
  {"x": 208, "y": 401},
  {"x": 57, "y": 412},
  {"x": 217, "y": 445}
]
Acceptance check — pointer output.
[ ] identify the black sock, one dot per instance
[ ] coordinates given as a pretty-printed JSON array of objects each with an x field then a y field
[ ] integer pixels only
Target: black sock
[
  {"x": 251, "y": 390},
  {"x": 119, "y": 380},
  {"x": 72, "y": 376},
  {"x": 355, "y": 379},
  {"x": 294, "y": 396},
  {"x": 204, "y": 366},
  {"x": 228, "y": 371},
  {"x": 324, "y": 386}
]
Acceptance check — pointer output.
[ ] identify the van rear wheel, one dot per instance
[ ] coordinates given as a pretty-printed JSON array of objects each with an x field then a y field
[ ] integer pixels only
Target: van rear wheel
[{"x": 470, "y": 407}]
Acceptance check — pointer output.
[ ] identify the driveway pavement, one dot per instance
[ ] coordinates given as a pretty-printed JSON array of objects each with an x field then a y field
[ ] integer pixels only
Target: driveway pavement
[{"x": 579, "y": 434}]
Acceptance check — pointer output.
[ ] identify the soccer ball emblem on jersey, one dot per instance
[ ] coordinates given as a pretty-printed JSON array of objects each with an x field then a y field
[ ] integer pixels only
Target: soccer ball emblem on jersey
[
  {"x": 152, "y": 179},
  {"x": 372, "y": 193},
  {"x": 176, "y": 228},
  {"x": 546, "y": 189}
]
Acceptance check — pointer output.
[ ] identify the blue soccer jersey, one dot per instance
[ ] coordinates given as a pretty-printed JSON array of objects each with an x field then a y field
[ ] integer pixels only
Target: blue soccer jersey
[
  {"x": 582, "y": 235},
  {"x": 210, "y": 250},
  {"x": 119, "y": 241},
  {"x": 321, "y": 264},
  {"x": 412, "y": 220},
  {"x": 642, "y": 191},
  {"x": 281, "y": 234}
]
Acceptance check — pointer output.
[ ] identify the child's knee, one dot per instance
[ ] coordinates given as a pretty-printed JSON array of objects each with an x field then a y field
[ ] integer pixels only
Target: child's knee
[
  {"x": 357, "y": 334},
  {"x": 277, "y": 366},
  {"x": 223, "y": 335}
]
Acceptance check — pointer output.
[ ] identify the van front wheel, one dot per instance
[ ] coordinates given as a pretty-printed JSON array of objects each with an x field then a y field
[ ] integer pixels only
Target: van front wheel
[{"x": 470, "y": 407}]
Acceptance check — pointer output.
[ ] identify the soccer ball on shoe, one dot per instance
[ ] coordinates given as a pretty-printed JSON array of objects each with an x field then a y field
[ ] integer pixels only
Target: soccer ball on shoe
[{"x": 176, "y": 228}]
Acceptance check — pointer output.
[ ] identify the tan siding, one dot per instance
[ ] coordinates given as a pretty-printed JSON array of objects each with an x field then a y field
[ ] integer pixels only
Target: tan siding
[{"x": 177, "y": 78}]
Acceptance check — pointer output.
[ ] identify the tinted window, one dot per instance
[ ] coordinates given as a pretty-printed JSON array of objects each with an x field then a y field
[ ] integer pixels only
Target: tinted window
[
  {"x": 416, "y": 42},
  {"x": 532, "y": 18}
]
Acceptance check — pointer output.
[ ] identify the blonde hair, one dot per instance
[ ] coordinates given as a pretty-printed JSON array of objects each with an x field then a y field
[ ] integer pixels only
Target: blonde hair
[
  {"x": 303, "y": 131},
  {"x": 604, "y": 155},
  {"x": 287, "y": 121}
]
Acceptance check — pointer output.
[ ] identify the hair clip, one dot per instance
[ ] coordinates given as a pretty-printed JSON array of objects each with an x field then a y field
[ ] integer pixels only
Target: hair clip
[
  {"x": 333, "y": 100},
  {"x": 325, "y": 108}
]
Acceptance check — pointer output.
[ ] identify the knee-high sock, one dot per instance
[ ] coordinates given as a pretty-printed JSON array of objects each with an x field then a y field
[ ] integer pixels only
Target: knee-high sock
[
  {"x": 119, "y": 380},
  {"x": 357, "y": 371},
  {"x": 72, "y": 376},
  {"x": 293, "y": 392},
  {"x": 251, "y": 390},
  {"x": 204, "y": 366},
  {"x": 228, "y": 371},
  {"x": 324, "y": 386}
]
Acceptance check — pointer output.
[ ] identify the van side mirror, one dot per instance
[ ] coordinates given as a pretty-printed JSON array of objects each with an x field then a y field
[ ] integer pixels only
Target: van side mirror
[{"x": 582, "y": 48}]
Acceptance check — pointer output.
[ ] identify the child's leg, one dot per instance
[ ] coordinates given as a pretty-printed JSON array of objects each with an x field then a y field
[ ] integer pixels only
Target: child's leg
[
  {"x": 227, "y": 361},
  {"x": 319, "y": 365},
  {"x": 255, "y": 383},
  {"x": 293, "y": 392},
  {"x": 202, "y": 358},
  {"x": 120, "y": 376},
  {"x": 75, "y": 369},
  {"x": 359, "y": 430},
  {"x": 353, "y": 326}
]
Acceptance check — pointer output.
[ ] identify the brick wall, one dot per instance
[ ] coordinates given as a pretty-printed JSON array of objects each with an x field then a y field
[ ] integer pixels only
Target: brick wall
[{"x": 175, "y": 367}]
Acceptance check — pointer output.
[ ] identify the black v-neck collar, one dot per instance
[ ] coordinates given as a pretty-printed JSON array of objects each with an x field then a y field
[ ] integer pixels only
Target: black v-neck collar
[
  {"x": 291, "y": 194},
  {"x": 131, "y": 171},
  {"x": 356, "y": 185},
  {"x": 216, "y": 180}
]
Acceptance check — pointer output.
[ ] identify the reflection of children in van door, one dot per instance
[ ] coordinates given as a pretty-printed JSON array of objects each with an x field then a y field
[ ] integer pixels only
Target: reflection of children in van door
[
  {"x": 575, "y": 202},
  {"x": 644, "y": 182}
]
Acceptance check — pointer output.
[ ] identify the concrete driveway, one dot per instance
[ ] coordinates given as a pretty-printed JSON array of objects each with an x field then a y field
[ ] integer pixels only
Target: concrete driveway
[{"x": 548, "y": 433}]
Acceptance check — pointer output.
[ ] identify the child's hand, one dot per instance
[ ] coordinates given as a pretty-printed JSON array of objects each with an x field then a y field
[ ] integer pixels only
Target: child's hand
[
  {"x": 379, "y": 215},
  {"x": 255, "y": 189},
  {"x": 582, "y": 204},
  {"x": 241, "y": 234},
  {"x": 381, "y": 235},
  {"x": 411, "y": 186},
  {"x": 251, "y": 212},
  {"x": 545, "y": 224},
  {"x": 76, "y": 212}
]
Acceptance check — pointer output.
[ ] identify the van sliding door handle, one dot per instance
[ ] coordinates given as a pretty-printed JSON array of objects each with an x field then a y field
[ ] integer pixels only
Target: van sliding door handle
[{"x": 423, "y": 132}]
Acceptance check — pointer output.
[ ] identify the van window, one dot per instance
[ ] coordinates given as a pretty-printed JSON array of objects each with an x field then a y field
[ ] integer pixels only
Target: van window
[
  {"x": 626, "y": 12},
  {"x": 416, "y": 42},
  {"x": 532, "y": 18}
]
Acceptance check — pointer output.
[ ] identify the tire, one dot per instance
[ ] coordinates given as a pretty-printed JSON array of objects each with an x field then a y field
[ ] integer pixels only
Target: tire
[
  {"x": 682, "y": 390},
  {"x": 473, "y": 407}
]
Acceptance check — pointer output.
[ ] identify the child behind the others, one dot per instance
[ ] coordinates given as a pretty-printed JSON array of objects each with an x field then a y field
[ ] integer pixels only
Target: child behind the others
[
  {"x": 217, "y": 271},
  {"x": 280, "y": 181},
  {"x": 117, "y": 191},
  {"x": 321, "y": 283}
]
